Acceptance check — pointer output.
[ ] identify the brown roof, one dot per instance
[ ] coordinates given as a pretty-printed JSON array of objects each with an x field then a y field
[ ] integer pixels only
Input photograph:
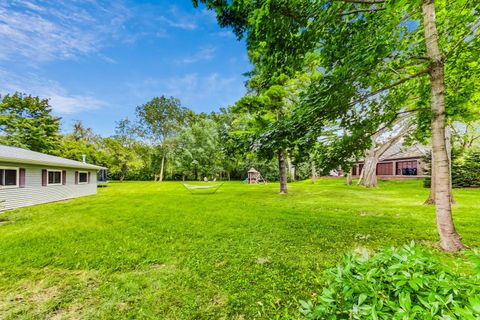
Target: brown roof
[{"x": 252, "y": 170}]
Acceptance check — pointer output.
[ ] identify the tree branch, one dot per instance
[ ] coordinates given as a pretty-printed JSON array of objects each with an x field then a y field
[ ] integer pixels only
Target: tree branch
[
  {"x": 361, "y": 10},
  {"x": 399, "y": 82}
]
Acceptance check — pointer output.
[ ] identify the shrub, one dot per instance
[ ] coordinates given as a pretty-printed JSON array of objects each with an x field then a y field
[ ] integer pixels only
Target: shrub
[
  {"x": 465, "y": 170},
  {"x": 397, "y": 283}
]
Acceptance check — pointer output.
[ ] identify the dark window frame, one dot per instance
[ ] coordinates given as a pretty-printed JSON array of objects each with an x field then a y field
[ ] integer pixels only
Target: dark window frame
[
  {"x": 59, "y": 183},
  {"x": 80, "y": 173},
  {"x": 3, "y": 177}
]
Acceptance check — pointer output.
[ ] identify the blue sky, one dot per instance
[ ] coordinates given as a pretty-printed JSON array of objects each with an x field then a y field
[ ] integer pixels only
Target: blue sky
[{"x": 97, "y": 60}]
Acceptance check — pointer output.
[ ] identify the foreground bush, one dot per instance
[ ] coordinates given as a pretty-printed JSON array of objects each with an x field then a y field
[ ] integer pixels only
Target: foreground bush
[{"x": 405, "y": 283}]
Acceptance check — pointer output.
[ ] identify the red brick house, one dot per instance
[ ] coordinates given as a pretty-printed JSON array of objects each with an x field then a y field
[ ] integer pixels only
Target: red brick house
[{"x": 398, "y": 162}]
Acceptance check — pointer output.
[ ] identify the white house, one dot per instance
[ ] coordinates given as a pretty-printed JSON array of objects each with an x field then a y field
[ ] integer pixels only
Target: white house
[{"x": 28, "y": 178}]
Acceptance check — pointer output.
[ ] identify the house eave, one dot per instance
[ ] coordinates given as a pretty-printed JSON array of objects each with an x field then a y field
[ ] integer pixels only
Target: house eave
[{"x": 51, "y": 163}]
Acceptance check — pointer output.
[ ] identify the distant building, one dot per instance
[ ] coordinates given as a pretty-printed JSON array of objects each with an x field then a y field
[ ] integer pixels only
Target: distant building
[
  {"x": 28, "y": 178},
  {"x": 399, "y": 162}
]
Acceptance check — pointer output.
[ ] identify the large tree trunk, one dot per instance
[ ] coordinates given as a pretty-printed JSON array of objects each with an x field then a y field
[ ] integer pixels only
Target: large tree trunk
[
  {"x": 161, "y": 169},
  {"x": 448, "y": 144},
  {"x": 314, "y": 173},
  {"x": 282, "y": 171},
  {"x": 368, "y": 177},
  {"x": 450, "y": 240}
]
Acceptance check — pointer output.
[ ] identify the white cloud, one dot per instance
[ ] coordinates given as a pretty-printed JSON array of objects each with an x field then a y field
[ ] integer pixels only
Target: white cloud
[
  {"x": 224, "y": 34},
  {"x": 50, "y": 30},
  {"x": 203, "y": 54},
  {"x": 61, "y": 100},
  {"x": 179, "y": 19},
  {"x": 195, "y": 91}
]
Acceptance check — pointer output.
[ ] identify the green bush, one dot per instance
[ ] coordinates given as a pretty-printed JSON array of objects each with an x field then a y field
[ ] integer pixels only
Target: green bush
[
  {"x": 465, "y": 170},
  {"x": 397, "y": 283}
]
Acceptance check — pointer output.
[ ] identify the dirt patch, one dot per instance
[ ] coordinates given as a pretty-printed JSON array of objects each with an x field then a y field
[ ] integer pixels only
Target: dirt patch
[
  {"x": 73, "y": 312},
  {"x": 55, "y": 296},
  {"x": 44, "y": 295},
  {"x": 262, "y": 261},
  {"x": 371, "y": 214}
]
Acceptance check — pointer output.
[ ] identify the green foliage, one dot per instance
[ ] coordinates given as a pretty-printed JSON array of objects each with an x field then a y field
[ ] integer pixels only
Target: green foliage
[
  {"x": 27, "y": 122},
  {"x": 396, "y": 283},
  {"x": 197, "y": 151},
  {"x": 465, "y": 170},
  {"x": 160, "y": 118}
]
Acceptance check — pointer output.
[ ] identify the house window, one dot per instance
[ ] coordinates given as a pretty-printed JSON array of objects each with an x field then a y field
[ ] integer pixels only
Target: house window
[
  {"x": 8, "y": 177},
  {"x": 407, "y": 168},
  {"x": 54, "y": 177},
  {"x": 82, "y": 177}
]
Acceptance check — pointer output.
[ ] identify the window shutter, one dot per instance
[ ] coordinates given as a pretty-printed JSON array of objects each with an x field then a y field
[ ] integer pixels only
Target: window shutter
[
  {"x": 44, "y": 177},
  {"x": 64, "y": 177},
  {"x": 21, "y": 180},
  {"x": 88, "y": 177},
  {"x": 76, "y": 177}
]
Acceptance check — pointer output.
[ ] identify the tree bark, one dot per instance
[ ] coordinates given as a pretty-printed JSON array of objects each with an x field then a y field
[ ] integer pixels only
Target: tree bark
[
  {"x": 450, "y": 240},
  {"x": 291, "y": 169},
  {"x": 123, "y": 172},
  {"x": 448, "y": 143},
  {"x": 161, "y": 169},
  {"x": 314, "y": 173},
  {"x": 282, "y": 170},
  {"x": 349, "y": 178},
  {"x": 368, "y": 177},
  {"x": 431, "y": 196}
]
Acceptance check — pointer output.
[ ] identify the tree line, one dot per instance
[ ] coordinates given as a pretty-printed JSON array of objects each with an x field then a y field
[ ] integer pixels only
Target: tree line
[{"x": 164, "y": 141}]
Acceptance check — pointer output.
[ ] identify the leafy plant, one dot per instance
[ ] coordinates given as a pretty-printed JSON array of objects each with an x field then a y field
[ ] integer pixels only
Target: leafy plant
[{"x": 397, "y": 283}]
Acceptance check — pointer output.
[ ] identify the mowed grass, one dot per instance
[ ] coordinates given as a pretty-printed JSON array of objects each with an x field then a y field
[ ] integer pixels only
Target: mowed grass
[{"x": 146, "y": 250}]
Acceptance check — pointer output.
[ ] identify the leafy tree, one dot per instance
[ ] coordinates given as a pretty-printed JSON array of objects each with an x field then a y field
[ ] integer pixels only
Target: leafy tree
[
  {"x": 160, "y": 119},
  {"x": 393, "y": 47},
  {"x": 377, "y": 56},
  {"x": 274, "y": 50},
  {"x": 84, "y": 142},
  {"x": 27, "y": 122},
  {"x": 121, "y": 149},
  {"x": 197, "y": 150}
]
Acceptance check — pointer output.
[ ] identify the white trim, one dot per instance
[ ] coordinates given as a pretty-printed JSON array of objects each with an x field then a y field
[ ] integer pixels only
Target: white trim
[
  {"x": 17, "y": 185},
  {"x": 80, "y": 172},
  {"x": 55, "y": 184}
]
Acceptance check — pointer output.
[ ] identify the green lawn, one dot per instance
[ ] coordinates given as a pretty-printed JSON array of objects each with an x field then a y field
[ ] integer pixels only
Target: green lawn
[{"x": 151, "y": 250}]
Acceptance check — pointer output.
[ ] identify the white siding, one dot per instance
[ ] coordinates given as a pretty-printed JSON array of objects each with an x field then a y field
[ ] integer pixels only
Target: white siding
[{"x": 35, "y": 193}]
